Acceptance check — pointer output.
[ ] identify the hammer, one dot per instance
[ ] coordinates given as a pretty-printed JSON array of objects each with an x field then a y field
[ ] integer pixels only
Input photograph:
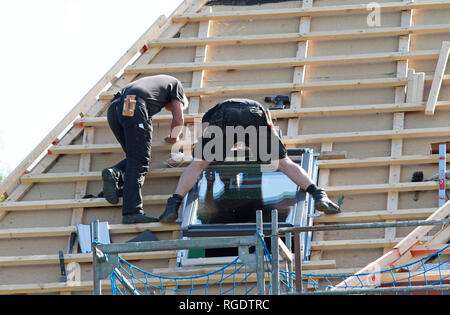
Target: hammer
[{"x": 417, "y": 177}]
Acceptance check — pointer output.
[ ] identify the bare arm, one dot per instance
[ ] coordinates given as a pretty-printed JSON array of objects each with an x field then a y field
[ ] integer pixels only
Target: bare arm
[{"x": 177, "y": 122}]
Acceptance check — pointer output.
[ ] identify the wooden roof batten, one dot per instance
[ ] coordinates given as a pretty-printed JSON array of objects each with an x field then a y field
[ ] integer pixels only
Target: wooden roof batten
[{"x": 409, "y": 98}]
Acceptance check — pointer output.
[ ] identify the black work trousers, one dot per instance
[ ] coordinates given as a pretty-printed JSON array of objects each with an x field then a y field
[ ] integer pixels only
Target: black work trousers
[
  {"x": 267, "y": 146},
  {"x": 135, "y": 136}
]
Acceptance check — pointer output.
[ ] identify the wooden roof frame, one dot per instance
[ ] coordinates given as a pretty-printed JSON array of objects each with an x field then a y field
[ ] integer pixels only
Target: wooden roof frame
[{"x": 85, "y": 115}]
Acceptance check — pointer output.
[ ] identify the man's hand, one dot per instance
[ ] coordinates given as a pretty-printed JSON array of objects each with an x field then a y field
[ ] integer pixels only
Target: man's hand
[{"x": 171, "y": 140}]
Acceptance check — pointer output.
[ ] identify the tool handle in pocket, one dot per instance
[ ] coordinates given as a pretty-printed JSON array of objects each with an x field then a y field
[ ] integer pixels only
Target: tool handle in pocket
[{"x": 129, "y": 105}]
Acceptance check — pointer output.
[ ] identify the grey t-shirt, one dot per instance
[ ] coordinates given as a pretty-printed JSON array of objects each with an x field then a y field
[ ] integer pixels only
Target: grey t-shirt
[{"x": 157, "y": 91}]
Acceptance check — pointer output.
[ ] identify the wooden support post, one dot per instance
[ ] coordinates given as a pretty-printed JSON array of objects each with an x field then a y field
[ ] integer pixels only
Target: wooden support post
[
  {"x": 437, "y": 79},
  {"x": 299, "y": 72},
  {"x": 293, "y": 124},
  {"x": 200, "y": 57},
  {"x": 197, "y": 82},
  {"x": 399, "y": 119},
  {"x": 197, "y": 77},
  {"x": 81, "y": 186},
  {"x": 80, "y": 191}
]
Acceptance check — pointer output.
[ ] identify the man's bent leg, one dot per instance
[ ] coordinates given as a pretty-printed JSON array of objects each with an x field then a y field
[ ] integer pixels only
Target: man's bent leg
[
  {"x": 190, "y": 176},
  {"x": 112, "y": 177},
  {"x": 138, "y": 134},
  {"x": 134, "y": 179},
  {"x": 299, "y": 176},
  {"x": 185, "y": 183}
]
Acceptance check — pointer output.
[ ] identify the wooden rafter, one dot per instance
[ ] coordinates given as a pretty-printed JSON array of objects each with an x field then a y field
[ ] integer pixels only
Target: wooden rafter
[
  {"x": 438, "y": 78},
  {"x": 400, "y": 249}
]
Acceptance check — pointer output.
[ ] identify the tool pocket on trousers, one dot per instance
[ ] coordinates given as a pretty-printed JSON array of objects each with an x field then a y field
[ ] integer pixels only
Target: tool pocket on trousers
[
  {"x": 143, "y": 131},
  {"x": 143, "y": 141},
  {"x": 129, "y": 106}
]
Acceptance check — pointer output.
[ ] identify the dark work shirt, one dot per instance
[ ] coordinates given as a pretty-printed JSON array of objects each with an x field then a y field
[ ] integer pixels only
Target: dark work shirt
[
  {"x": 240, "y": 101},
  {"x": 157, "y": 91}
]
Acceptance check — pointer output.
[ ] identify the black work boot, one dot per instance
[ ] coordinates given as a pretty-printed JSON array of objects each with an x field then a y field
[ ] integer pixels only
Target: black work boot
[
  {"x": 170, "y": 215},
  {"x": 323, "y": 203},
  {"x": 137, "y": 218},
  {"x": 110, "y": 185}
]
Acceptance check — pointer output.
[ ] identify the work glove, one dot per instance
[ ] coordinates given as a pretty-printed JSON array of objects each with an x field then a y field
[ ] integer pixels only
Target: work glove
[{"x": 323, "y": 203}]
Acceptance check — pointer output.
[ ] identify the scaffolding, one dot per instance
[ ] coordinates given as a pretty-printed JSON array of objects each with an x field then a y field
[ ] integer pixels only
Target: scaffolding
[{"x": 270, "y": 278}]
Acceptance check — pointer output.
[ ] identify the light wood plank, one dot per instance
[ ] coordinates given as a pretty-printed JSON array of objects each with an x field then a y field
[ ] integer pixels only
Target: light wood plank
[
  {"x": 67, "y": 230},
  {"x": 370, "y": 135},
  {"x": 282, "y": 62},
  {"x": 355, "y": 244},
  {"x": 34, "y": 260},
  {"x": 296, "y": 37},
  {"x": 200, "y": 57},
  {"x": 290, "y": 87},
  {"x": 381, "y": 188},
  {"x": 437, "y": 79},
  {"x": 74, "y": 203},
  {"x": 94, "y": 176},
  {"x": 380, "y": 161},
  {"x": 374, "y": 215},
  {"x": 300, "y": 112},
  {"x": 299, "y": 139}
]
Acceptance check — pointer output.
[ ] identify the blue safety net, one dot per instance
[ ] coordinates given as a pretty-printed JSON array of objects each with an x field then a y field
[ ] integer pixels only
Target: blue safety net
[
  {"x": 233, "y": 278},
  {"x": 236, "y": 278},
  {"x": 431, "y": 270}
]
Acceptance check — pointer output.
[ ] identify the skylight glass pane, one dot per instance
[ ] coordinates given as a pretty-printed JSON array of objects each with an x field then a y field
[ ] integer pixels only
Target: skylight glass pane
[{"x": 233, "y": 195}]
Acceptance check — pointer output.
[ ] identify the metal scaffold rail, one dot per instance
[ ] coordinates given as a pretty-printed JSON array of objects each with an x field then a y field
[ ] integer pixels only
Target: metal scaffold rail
[{"x": 266, "y": 265}]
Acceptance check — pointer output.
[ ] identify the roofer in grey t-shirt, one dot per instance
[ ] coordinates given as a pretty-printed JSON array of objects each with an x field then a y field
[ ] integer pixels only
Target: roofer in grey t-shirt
[{"x": 130, "y": 118}]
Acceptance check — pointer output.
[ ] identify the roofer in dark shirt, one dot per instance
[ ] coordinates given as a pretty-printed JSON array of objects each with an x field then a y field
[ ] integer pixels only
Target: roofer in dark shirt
[
  {"x": 228, "y": 116},
  {"x": 130, "y": 119}
]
